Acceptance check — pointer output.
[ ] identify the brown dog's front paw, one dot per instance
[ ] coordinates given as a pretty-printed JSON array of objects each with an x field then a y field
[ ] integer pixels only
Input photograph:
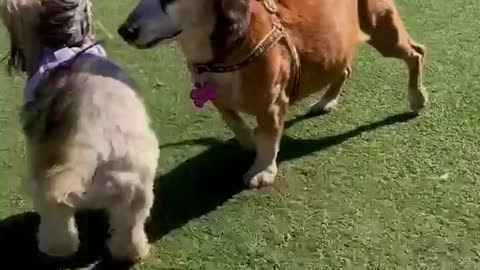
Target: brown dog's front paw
[{"x": 260, "y": 179}]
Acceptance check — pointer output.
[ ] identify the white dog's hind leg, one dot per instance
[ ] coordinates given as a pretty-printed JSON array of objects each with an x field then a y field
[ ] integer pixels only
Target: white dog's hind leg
[
  {"x": 128, "y": 216},
  {"x": 57, "y": 234}
]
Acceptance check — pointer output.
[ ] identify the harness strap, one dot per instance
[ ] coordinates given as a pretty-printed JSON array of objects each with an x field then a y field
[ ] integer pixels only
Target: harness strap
[
  {"x": 269, "y": 5},
  {"x": 54, "y": 59},
  {"x": 296, "y": 69},
  {"x": 265, "y": 45},
  {"x": 277, "y": 33}
]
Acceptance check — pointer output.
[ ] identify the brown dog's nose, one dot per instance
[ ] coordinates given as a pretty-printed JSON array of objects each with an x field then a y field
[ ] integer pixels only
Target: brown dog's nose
[{"x": 129, "y": 32}]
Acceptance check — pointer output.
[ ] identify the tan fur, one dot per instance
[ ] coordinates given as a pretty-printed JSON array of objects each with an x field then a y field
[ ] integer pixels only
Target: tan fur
[
  {"x": 89, "y": 145},
  {"x": 326, "y": 34}
]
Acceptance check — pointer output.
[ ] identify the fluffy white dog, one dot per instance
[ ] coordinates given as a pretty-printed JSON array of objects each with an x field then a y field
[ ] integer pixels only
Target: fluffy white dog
[{"x": 89, "y": 140}]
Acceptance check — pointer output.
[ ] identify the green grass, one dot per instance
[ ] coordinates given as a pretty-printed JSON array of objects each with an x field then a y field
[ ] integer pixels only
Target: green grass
[{"x": 362, "y": 188}]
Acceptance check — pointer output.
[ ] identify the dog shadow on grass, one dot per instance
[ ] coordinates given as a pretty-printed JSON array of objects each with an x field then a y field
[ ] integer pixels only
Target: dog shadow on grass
[
  {"x": 194, "y": 188},
  {"x": 208, "y": 180},
  {"x": 18, "y": 245}
]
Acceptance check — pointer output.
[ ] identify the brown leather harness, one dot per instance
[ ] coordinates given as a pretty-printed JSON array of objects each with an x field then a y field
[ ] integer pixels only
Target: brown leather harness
[{"x": 277, "y": 33}]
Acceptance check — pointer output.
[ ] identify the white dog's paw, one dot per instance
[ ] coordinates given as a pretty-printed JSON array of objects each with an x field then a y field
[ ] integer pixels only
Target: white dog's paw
[
  {"x": 59, "y": 245},
  {"x": 256, "y": 180},
  {"x": 131, "y": 251},
  {"x": 323, "y": 106}
]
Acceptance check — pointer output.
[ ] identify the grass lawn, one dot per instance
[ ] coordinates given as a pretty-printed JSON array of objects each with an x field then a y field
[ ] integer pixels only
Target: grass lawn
[{"x": 362, "y": 188}]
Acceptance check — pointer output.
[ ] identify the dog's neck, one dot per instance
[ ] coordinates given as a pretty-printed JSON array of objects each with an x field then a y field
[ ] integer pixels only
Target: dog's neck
[
  {"x": 212, "y": 39},
  {"x": 54, "y": 58},
  {"x": 196, "y": 45}
]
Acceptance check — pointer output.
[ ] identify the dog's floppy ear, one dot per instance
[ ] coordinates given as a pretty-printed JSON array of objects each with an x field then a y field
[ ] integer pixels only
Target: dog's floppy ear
[
  {"x": 64, "y": 22},
  {"x": 11, "y": 20},
  {"x": 232, "y": 23},
  {"x": 234, "y": 12}
]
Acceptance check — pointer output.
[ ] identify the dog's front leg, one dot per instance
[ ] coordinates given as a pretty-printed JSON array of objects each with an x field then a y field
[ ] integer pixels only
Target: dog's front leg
[
  {"x": 242, "y": 132},
  {"x": 267, "y": 138}
]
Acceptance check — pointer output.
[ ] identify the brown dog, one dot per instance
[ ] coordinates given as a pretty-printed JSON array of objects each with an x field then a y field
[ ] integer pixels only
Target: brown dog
[{"x": 324, "y": 33}]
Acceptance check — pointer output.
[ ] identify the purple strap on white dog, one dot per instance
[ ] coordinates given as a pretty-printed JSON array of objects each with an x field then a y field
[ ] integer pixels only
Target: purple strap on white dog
[{"x": 51, "y": 59}]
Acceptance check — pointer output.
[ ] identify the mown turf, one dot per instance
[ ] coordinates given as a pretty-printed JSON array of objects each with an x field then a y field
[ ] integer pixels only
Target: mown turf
[{"x": 363, "y": 188}]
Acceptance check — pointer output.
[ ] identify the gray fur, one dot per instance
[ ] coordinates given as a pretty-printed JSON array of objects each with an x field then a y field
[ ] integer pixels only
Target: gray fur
[
  {"x": 65, "y": 23},
  {"x": 88, "y": 136}
]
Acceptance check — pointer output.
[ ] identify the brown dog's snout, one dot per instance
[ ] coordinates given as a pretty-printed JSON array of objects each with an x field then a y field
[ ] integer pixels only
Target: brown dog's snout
[{"x": 129, "y": 33}]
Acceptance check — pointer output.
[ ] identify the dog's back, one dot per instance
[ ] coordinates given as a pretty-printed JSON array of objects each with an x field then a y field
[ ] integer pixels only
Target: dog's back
[
  {"x": 327, "y": 33},
  {"x": 87, "y": 117},
  {"x": 90, "y": 145}
]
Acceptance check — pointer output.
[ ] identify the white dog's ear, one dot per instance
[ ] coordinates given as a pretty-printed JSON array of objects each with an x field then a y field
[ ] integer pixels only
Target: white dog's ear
[
  {"x": 11, "y": 20},
  {"x": 64, "y": 22}
]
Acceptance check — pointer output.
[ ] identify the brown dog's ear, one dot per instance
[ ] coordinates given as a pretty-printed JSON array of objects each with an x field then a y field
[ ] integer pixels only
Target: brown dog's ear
[
  {"x": 235, "y": 12},
  {"x": 232, "y": 22}
]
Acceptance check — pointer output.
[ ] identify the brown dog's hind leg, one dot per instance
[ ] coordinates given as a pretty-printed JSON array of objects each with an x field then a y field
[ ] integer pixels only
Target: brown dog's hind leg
[
  {"x": 381, "y": 21},
  {"x": 329, "y": 100}
]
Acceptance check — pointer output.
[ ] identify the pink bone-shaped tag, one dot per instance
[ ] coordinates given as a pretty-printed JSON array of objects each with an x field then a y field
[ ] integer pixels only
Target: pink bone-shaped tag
[{"x": 201, "y": 94}]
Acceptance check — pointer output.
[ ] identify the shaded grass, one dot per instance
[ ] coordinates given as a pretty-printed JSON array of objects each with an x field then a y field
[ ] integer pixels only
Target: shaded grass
[{"x": 363, "y": 188}]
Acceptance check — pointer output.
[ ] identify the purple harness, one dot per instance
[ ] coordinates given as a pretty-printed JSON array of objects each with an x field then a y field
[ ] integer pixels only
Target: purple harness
[{"x": 52, "y": 59}]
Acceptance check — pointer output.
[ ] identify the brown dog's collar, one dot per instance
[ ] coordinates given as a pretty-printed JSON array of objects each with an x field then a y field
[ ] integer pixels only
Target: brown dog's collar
[
  {"x": 263, "y": 47},
  {"x": 272, "y": 38}
]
